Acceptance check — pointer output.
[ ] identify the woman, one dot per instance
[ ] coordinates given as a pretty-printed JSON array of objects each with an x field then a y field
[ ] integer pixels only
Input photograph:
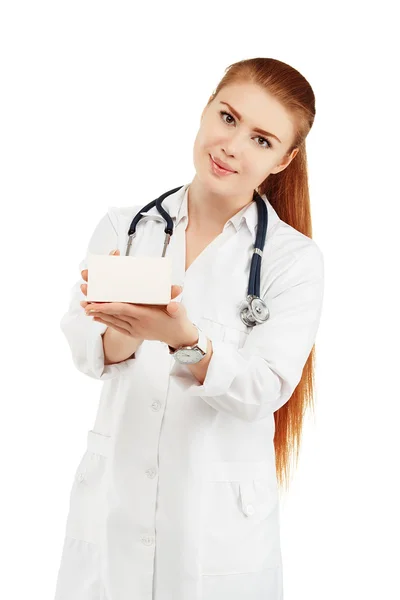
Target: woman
[{"x": 176, "y": 496}]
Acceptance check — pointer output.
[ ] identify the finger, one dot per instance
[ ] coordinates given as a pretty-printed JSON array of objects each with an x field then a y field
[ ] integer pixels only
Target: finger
[
  {"x": 85, "y": 304},
  {"x": 120, "y": 309},
  {"x": 175, "y": 290},
  {"x": 113, "y": 326},
  {"x": 110, "y": 320},
  {"x": 84, "y": 273},
  {"x": 84, "y": 288}
]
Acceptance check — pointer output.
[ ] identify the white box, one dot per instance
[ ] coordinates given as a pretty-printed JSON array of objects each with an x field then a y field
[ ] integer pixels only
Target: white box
[{"x": 134, "y": 279}]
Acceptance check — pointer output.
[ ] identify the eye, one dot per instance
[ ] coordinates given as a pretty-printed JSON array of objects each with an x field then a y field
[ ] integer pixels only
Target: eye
[{"x": 223, "y": 113}]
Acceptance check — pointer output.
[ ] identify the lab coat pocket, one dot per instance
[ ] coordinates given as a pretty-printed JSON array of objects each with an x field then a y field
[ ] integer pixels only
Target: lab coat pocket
[
  {"x": 241, "y": 526},
  {"x": 221, "y": 316},
  {"x": 87, "y": 494},
  {"x": 232, "y": 333}
]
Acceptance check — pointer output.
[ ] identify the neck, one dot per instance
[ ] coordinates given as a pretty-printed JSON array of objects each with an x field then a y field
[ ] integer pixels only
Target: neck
[{"x": 208, "y": 210}]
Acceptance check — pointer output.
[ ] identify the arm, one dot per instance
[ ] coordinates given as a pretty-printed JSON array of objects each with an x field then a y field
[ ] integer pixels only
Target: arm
[
  {"x": 85, "y": 336},
  {"x": 199, "y": 370},
  {"x": 256, "y": 380},
  {"x": 118, "y": 347}
]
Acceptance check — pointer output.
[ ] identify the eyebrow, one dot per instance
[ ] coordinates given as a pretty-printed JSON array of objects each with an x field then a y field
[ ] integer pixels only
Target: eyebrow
[{"x": 257, "y": 129}]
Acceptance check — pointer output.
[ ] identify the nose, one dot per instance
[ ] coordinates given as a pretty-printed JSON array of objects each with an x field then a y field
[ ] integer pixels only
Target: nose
[
  {"x": 231, "y": 148},
  {"x": 229, "y": 156}
]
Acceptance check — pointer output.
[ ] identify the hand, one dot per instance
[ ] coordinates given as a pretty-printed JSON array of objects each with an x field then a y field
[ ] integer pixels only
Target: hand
[
  {"x": 167, "y": 323},
  {"x": 84, "y": 274}
]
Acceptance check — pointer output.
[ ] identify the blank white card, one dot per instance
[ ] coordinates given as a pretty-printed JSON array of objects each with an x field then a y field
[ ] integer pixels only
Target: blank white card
[{"x": 135, "y": 279}]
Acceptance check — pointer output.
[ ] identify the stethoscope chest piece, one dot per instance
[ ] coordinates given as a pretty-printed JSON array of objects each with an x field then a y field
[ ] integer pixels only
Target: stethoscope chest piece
[{"x": 253, "y": 311}]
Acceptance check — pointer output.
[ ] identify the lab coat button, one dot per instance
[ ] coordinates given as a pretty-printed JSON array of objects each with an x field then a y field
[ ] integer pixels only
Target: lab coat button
[
  {"x": 81, "y": 476},
  {"x": 156, "y": 406},
  {"x": 151, "y": 473},
  {"x": 249, "y": 510},
  {"x": 147, "y": 540}
]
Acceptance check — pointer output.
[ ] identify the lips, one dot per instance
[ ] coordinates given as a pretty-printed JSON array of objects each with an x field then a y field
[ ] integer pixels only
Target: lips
[{"x": 222, "y": 164}]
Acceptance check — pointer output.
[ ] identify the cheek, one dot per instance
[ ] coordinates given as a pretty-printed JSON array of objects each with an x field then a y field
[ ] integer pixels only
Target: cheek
[
  {"x": 263, "y": 170},
  {"x": 198, "y": 147},
  {"x": 208, "y": 138},
  {"x": 201, "y": 150},
  {"x": 202, "y": 143}
]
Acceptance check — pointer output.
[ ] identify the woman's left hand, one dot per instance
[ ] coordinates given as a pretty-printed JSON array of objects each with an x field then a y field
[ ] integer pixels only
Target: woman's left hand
[{"x": 167, "y": 323}]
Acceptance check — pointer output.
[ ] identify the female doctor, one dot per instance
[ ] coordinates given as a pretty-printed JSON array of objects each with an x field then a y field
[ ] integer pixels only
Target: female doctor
[{"x": 177, "y": 494}]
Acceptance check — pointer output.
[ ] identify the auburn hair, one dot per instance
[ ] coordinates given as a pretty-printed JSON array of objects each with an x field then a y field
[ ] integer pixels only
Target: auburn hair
[{"x": 288, "y": 193}]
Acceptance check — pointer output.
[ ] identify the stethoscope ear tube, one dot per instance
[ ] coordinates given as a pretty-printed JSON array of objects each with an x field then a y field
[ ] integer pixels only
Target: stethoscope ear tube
[
  {"x": 169, "y": 228},
  {"x": 158, "y": 204}
]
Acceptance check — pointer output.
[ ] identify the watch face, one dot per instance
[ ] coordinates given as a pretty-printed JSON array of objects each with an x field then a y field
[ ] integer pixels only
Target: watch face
[{"x": 188, "y": 355}]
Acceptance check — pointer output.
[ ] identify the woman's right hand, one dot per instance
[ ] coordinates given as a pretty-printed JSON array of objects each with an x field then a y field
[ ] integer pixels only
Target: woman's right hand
[
  {"x": 84, "y": 274},
  {"x": 112, "y": 322}
]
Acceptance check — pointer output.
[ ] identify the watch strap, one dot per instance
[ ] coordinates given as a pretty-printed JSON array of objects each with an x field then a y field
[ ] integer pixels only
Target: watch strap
[{"x": 201, "y": 344}]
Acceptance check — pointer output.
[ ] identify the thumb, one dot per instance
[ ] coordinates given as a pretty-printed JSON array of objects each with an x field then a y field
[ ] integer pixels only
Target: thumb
[
  {"x": 174, "y": 308},
  {"x": 175, "y": 291}
]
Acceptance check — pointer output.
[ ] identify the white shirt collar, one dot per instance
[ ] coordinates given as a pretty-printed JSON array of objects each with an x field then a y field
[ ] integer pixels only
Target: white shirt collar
[{"x": 177, "y": 206}]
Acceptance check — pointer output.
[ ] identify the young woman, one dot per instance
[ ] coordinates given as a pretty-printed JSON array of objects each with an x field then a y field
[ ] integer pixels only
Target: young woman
[{"x": 177, "y": 494}]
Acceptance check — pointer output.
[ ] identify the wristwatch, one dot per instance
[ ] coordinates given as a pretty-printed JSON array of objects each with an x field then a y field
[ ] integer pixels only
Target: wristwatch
[{"x": 189, "y": 355}]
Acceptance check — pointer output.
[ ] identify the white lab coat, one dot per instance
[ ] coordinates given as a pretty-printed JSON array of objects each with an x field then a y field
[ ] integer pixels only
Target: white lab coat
[{"x": 176, "y": 496}]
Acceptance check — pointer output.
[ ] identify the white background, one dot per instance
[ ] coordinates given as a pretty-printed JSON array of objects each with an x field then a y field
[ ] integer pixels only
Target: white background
[{"x": 100, "y": 103}]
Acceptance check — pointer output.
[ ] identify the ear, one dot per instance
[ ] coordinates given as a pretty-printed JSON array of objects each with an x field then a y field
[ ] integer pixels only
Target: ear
[{"x": 286, "y": 163}]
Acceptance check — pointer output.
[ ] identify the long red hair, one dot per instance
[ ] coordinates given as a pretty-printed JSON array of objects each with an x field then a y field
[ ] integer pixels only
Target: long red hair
[{"x": 288, "y": 193}]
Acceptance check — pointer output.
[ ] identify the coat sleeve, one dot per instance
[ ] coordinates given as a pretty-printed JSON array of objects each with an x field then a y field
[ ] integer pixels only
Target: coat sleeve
[
  {"x": 256, "y": 380},
  {"x": 84, "y": 335}
]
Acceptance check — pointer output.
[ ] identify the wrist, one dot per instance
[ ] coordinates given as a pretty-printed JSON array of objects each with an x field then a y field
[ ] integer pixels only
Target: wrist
[
  {"x": 118, "y": 347},
  {"x": 188, "y": 337}
]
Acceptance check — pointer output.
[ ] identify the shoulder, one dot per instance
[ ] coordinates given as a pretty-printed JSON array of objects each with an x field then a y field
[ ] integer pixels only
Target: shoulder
[
  {"x": 122, "y": 216},
  {"x": 291, "y": 244},
  {"x": 286, "y": 244},
  {"x": 290, "y": 258}
]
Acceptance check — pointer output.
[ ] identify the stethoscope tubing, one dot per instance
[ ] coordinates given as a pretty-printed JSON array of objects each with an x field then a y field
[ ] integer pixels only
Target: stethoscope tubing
[
  {"x": 253, "y": 289},
  {"x": 255, "y": 268}
]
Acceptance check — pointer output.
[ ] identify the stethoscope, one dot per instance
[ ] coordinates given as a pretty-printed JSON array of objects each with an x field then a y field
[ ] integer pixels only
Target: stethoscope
[{"x": 253, "y": 311}]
